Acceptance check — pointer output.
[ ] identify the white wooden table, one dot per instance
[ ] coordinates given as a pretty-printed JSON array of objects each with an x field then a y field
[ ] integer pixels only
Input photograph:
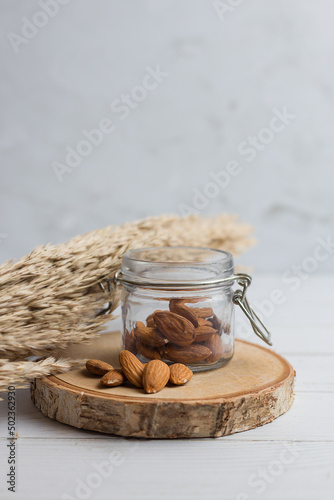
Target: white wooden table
[{"x": 291, "y": 458}]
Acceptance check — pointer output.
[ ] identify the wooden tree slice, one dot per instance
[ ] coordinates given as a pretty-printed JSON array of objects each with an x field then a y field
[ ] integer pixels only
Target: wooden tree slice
[{"x": 253, "y": 389}]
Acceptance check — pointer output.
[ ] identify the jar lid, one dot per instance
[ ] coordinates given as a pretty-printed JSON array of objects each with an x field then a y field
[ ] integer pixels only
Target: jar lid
[{"x": 177, "y": 265}]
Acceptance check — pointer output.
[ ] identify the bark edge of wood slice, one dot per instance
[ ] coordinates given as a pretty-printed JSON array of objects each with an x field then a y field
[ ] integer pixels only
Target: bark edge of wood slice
[{"x": 253, "y": 389}]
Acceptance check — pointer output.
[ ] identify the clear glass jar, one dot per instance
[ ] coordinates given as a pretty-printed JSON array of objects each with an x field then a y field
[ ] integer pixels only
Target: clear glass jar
[{"x": 178, "y": 305}]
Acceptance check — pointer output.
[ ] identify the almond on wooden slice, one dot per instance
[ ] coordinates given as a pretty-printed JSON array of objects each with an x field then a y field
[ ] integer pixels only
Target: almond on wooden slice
[
  {"x": 132, "y": 368},
  {"x": 178, "y": 306},
  {"x": 204, "y": 333},
  {"x": 98, "y": 367},
  {"x": 148, "y": 335},
  {"x": 193, "y": 353},
  {"x": 180, "y": 374},
  {"x": 148, "y": 352},
  {"x": 155, "y": 377},
  {"x": 215, "y": 344},
  {"x": 177, "y": 329},
  {"x": 113, "y": 378}
]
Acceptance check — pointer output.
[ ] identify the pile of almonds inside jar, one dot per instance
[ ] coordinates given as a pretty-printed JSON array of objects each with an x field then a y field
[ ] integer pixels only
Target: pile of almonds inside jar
[
  {"x": 182, "y": 334},
  {"x": 152, "y": 376}
]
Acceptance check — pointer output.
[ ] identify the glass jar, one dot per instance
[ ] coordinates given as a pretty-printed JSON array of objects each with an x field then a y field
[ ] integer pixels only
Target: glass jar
[{"x": 178, "y": 305}]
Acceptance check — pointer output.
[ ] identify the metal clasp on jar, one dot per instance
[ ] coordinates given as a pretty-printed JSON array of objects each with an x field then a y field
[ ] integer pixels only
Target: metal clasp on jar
[{"x": 240, "y": 299}]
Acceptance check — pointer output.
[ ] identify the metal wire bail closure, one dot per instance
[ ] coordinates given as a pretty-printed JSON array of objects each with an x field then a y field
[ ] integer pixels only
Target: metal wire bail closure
[
  {"x": 239, "y": 297},
  {"x": 109, "y": 306}
]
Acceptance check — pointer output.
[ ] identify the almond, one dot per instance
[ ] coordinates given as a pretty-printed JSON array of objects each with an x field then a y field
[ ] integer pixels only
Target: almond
[
  {"x": 149, "y": 335},
  {"x": 194, "y": 300},
  {"x": 214, "y": 343},
  {"x": 180, "y": 374},
  {"x": 216, "y": 323},
  {"x": 226, "y": 327},
  {"x": 132, "y": 368},
  {"x": 129, "y": 341},
  {"x": 162, "y": 350},
  {"x": 147, "y": 351},
  {"x": 204, "y": 333},
  {"x": 177, "y": 329},
  {"x": 204, "y": 322},
  {"x": 177, "y": 306},
  {"x": 190, "y": 354},
  {"x": 150, "y": 320},
  {"x": 112, "y": 378},
  {"x": 155, "y": 377},
  {"x": 98, "y": 367},
  {"x": 203, "y": 312}
]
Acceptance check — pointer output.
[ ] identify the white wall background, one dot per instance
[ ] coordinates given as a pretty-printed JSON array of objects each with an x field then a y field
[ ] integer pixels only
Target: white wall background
[{"x": 225, "y": 78}]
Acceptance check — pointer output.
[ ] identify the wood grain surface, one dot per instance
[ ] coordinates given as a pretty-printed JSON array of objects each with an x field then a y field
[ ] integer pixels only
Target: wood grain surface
[{"x": 253, "y": 389}]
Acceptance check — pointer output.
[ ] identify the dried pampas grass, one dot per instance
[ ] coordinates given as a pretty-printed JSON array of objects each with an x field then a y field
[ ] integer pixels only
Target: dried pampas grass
[
  {"x": 51, "y": 297},
  {"x": 18, "y": 373}
]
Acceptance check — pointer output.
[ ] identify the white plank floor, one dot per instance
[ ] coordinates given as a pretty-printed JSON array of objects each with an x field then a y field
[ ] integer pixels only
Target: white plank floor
[{"x": 292, "y": 458}]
